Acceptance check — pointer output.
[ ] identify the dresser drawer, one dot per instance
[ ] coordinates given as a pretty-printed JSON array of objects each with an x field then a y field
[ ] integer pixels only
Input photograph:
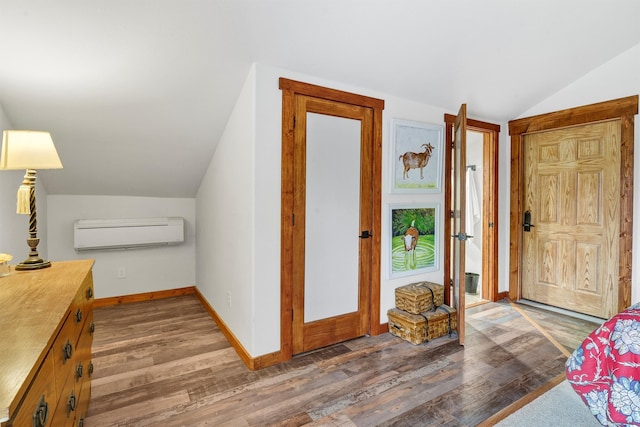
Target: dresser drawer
[
  {"x": 64, "y": 352},
  {"x": 82, "y": 304},
  {"x": 40, "y": 402},
  {"x": 82, "y": 362},
  {"x": 68, "y": 405},
  {"x": 85, "y": 294},
  {"x": 83, "y": 405}
]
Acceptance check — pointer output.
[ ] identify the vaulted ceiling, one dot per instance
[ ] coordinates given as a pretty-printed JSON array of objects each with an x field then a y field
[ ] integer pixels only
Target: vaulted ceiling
[{"x": 137, "y": 93}]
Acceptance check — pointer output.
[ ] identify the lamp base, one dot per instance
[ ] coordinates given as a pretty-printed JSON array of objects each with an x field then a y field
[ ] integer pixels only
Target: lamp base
[{"x": 32, "y": 264}]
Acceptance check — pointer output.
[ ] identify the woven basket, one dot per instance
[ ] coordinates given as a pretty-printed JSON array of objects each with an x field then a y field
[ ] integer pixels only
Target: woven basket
[
  {"x": 440, "y": 322},
  {"x": 420, "y": 328},
  {"x": 410, "y": 327},
  {"x": 419, "y": 297}
]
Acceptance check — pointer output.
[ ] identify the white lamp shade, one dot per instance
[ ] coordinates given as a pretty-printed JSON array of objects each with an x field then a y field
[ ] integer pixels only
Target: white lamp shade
[{"x": 28, "y": 149}]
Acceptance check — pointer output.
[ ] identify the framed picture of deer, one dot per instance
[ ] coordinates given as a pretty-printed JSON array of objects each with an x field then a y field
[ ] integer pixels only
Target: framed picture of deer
[
  {"x": 413, "y": 238},
  {"x": 416, "y": 157}
]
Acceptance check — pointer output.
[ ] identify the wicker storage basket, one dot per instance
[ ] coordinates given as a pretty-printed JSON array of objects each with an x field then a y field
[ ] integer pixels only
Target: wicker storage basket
[
  {"x": 440, "y": 322},
  {"x": 419, "y": 328},
  {"x": 408, "y": 326},
  {"x": 419, "y": 297}
]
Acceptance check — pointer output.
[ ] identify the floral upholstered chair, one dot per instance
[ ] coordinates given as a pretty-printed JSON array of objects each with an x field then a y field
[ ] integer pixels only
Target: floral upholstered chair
[{"x": 605, "y": 370}]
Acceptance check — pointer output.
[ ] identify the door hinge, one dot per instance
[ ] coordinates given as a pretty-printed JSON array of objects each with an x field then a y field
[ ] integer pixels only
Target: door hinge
[
  {"x": 294, "y": 122},
  {"x": 452, "y": 214},
  {"x": 293, "y": 219}
]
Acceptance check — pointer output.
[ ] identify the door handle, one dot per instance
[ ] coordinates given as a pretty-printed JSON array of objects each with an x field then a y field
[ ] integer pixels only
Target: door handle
[
  {"x": 365, "y": 234},
  {"x": 526, "y": 225},
  {"x": 461, "y": 236}
]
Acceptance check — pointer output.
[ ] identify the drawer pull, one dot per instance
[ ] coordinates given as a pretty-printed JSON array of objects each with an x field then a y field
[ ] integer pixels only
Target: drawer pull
[
  {"x": 81, "y": 422},
  {"x": 79, "y": 370},
  {"x": 92, "y": 328},
  {"x": 71, "y": 403},
  {"x": 41, "y": 413},
  {"x": 78, "y": 316},
  {"x": 89, "y": 293},
  {"x": 90, "y": 368},
  {"x": 67, "y": 352}
]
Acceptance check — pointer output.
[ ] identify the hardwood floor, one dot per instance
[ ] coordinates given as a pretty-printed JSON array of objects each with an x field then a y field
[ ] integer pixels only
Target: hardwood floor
[{"x": 165, "y": 363}]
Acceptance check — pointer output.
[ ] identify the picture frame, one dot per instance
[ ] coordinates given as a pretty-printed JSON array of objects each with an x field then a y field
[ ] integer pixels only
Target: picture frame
[
  {"x": 416, "y": 157},
  {"x": 413, "y": 239}
]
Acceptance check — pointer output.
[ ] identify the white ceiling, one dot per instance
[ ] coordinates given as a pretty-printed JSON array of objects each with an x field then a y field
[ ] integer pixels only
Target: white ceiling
[{"x": 137, "y": 93}]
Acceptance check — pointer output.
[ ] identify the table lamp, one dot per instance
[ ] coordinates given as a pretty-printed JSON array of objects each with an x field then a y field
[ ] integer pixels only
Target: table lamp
[{"x": 30, "y": 150}]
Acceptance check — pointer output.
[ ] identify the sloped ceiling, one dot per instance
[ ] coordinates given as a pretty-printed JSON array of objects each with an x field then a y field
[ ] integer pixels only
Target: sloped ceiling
[{"x": 137, "y": 93}]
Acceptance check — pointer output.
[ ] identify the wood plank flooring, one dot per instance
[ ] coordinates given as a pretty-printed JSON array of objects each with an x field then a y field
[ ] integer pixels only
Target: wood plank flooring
[{"x": 165, "y": 363}]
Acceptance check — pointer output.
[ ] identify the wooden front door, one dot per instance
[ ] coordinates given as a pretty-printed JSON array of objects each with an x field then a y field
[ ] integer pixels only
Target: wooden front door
[
  {"x": 572, "y": 216},
  {"x": 330, "y": 217},
  {"x": 622, "y": 110}
]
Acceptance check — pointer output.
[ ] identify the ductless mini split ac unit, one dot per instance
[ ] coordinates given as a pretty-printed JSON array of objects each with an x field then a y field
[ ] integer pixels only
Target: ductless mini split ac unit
[{"x": 93, "y": 234}]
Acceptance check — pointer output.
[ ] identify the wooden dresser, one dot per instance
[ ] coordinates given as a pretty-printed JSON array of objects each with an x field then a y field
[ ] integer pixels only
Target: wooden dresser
[{"x": 46, "y": 331}]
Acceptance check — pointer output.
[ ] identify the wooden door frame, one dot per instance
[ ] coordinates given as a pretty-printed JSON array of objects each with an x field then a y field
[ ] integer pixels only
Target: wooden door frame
[
  {"x": 623, "y": 109},
  {"x": 491, "y": 137},
  {"x": 291, "y": 88}
]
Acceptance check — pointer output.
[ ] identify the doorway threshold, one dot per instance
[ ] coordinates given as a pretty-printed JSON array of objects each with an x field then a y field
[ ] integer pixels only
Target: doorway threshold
[
  {"x": 471, "y": 300},
  {"x": 570, "y": 313}
]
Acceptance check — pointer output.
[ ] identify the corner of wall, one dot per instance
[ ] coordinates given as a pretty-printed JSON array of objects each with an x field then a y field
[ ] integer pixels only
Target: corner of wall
[{"x": 225, "y": 210}]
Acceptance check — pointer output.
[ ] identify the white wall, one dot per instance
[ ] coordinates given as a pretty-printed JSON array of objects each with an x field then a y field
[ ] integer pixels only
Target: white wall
[
  {"x": 617, "y": 78},
  {"x": 14, "y": 228},
  {"x": 227, "y": 216},
  {"x": 147, "y": 269}
]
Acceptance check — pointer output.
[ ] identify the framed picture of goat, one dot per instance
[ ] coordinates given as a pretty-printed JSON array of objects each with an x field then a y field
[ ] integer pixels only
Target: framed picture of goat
[
  {"x": 416, "y": 157},
  {"x": 413, "y": 238}
]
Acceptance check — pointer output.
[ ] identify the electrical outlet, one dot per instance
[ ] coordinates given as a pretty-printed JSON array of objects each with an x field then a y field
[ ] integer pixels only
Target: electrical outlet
[
  {"x": 122, "y": 273},
  {"x": 228, "y": 298}
]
